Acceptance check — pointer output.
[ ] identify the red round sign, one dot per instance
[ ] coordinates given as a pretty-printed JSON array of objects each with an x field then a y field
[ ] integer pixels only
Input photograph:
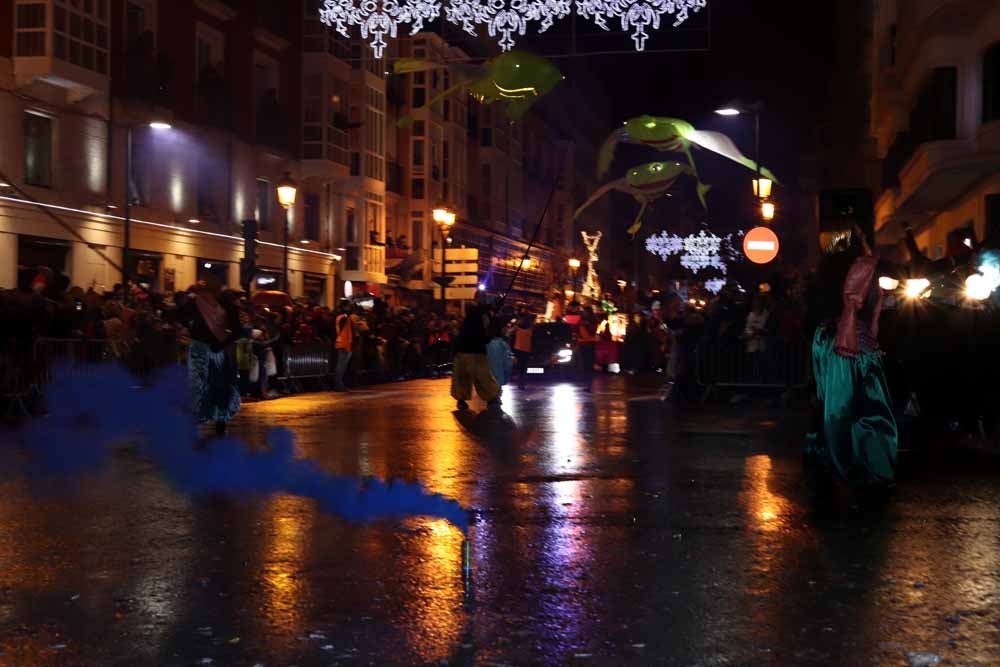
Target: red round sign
[{"x": 760, "y": 245}]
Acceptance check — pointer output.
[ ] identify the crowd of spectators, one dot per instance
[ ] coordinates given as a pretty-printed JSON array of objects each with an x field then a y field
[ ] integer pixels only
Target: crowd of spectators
[
  {"x": 666, "y": 335},
  {"x": 143, "y": 330}
]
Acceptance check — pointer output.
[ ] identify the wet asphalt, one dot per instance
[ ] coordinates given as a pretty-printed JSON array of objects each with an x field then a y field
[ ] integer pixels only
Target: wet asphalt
[{"x": 609, "y": 528}]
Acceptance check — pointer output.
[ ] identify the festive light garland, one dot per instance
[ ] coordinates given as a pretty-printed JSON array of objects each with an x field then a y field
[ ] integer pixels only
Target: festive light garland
[
  {"x": 505, "y": 18},
  {"x": 697, "y": 251},
  {"x": 501, "y": 17},
  {"x": 378, "y": 17}
]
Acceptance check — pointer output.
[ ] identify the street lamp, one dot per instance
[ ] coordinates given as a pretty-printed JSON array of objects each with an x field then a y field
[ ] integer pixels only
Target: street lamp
[
  {"x": 526, "y": 262},
  {"x": 767, "y": 211},
  {"x": 574, "y": 264},
  {"x": 761, "y": 185},
  {"x": 287, "y": 191},
  {"x": 159, "y": 126},
  {"x": 444, "y": 217}
]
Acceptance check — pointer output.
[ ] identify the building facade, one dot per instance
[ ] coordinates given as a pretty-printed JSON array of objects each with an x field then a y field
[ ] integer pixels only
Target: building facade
[
  {"x": 252, "y": 93},
  {"x": 935, "y": 118},
  {"x": 80, "y": 84}
]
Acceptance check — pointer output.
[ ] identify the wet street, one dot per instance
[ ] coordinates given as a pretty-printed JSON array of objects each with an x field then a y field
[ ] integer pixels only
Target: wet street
[{"x": 609, "y": 528}]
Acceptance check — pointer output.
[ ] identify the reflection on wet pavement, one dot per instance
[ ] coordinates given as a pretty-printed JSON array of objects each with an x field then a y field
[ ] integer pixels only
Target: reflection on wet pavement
[{"x": 609, "y": 528}]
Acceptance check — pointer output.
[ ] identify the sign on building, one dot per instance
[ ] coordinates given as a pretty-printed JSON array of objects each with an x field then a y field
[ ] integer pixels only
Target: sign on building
[{"x": 462, "y": 264}]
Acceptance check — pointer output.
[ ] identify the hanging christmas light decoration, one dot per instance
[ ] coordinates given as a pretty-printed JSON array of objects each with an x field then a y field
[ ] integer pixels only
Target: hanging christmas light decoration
[
  {"x": 697, "y": 252},
  {"x": 664, "y": 245},
  {"x": 715, "y": 285},
  {"x": 502, "y": 18},
  {"x": 637, "y": 15},
  {"x": 378, "y": 17},
  {"x": 506, "y": 18}
]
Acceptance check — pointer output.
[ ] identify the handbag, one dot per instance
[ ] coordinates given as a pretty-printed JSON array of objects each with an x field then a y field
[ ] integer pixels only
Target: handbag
[{"x": 270, "y": 363}]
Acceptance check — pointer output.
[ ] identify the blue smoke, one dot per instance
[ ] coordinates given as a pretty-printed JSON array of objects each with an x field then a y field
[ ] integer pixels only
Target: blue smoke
[{"x": 90, "y": 413}]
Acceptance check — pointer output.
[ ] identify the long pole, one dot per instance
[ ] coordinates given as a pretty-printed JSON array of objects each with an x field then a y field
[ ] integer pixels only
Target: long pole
[
  {"x": 128, "y": 208},
  {"x": 534, "y": 236},
  {"x": 285, "y": 269},
  {"x": 756, "y": 146}
]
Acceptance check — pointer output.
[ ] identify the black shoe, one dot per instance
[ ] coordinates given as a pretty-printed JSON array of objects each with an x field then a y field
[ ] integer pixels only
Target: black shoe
[{"x": 462, "y": 405}]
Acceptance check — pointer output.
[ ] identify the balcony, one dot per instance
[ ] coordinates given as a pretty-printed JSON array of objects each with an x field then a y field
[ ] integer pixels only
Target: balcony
[
  {"x": 43, "y": 49},
  {"x": 364, "y": 263}
]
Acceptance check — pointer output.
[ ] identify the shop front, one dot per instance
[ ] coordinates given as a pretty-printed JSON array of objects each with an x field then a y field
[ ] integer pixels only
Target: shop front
[
  {"x": 34, "y": 252},
  {"x": 314, "y": 288},
  {"x": 144, "y": 269},
  {"x": 217, "y": 268}
]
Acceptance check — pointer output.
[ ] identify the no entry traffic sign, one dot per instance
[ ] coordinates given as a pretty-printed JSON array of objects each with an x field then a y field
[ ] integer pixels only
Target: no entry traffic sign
[{"x": 760, "y": 245}]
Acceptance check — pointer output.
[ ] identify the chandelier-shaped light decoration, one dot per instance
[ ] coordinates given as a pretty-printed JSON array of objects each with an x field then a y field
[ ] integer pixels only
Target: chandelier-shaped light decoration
[
  {"x": 637, "y": 15},
  {"x": 506, "y": 18},
  {"x": 378, "y": 18}
]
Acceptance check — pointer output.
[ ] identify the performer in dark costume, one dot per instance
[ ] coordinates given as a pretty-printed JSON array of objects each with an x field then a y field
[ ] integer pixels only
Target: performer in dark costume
[{"x": 855, "y": 437}]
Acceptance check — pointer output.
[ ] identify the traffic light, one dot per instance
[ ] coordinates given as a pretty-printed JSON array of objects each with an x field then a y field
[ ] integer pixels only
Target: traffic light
[
  {"x": 840, "y": 209},
  {"x": 248, "y": 265}
]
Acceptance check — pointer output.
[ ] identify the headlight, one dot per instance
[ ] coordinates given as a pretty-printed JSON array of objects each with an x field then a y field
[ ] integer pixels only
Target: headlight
[
  {"x": 978, "y": 287},
  {"x": 888, "y": 283},
  {"x": 916, "y": 288},
  {"x": 564, "y": 355}
]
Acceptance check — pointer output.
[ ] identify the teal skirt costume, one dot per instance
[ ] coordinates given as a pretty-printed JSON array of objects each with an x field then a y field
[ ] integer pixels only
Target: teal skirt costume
[
  {"x": 214, "y": 391},
  {"x": 855, "y": 436}
]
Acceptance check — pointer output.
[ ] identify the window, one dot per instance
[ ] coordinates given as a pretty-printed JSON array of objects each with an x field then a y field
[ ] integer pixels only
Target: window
[
  {"x": 29, "y": 23},
  {"x": 991, "y": 84},
  {"x": 487, "y": 137},
  {"x": 209, "y": 179},
  {"x": 139, "y": 19},
  {"x": 446, "y": 160},
  {"x": 350, "y": 226},
  {"x": 311, "y": 230},
  {"x": 375, "y": 135},
  {"x": 79, "y": 32},
  {"x": 418, "y": 153},
  {"x": 264, "y": 204},
  {"x": 210, "y": 52},
  {"x": 419, "y": 97},
  {"x": 266, "y": 77},
  {"x": 417, "y": 240},
  {"x": 337, "y": 139},
  {"x": 373, "y": 212},
  {"x": 417, "y": 188},
  {"x": 37, "y": 150}
]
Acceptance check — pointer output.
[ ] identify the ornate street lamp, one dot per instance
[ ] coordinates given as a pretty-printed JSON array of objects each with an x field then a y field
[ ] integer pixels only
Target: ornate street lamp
[
  {"x": 444, "y": 217},
  {"x": 287, "y": 191}
]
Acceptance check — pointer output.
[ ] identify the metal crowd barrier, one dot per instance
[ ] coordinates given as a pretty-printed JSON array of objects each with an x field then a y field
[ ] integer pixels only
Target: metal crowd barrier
[
  {"x": 25, "y": 371},
  {"x": 306, "y": 361},
  {"x": 780, "y": 365}
]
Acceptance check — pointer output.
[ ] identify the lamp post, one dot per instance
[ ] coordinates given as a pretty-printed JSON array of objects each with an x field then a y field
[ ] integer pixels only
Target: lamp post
[
  {"x": 287, "y": 191},
  {"x": 574, "y": 264},
  {"x": 445, "y": 219},
  {"x": 159, "y": 126},
  {"x": 761, "y": 186}
]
